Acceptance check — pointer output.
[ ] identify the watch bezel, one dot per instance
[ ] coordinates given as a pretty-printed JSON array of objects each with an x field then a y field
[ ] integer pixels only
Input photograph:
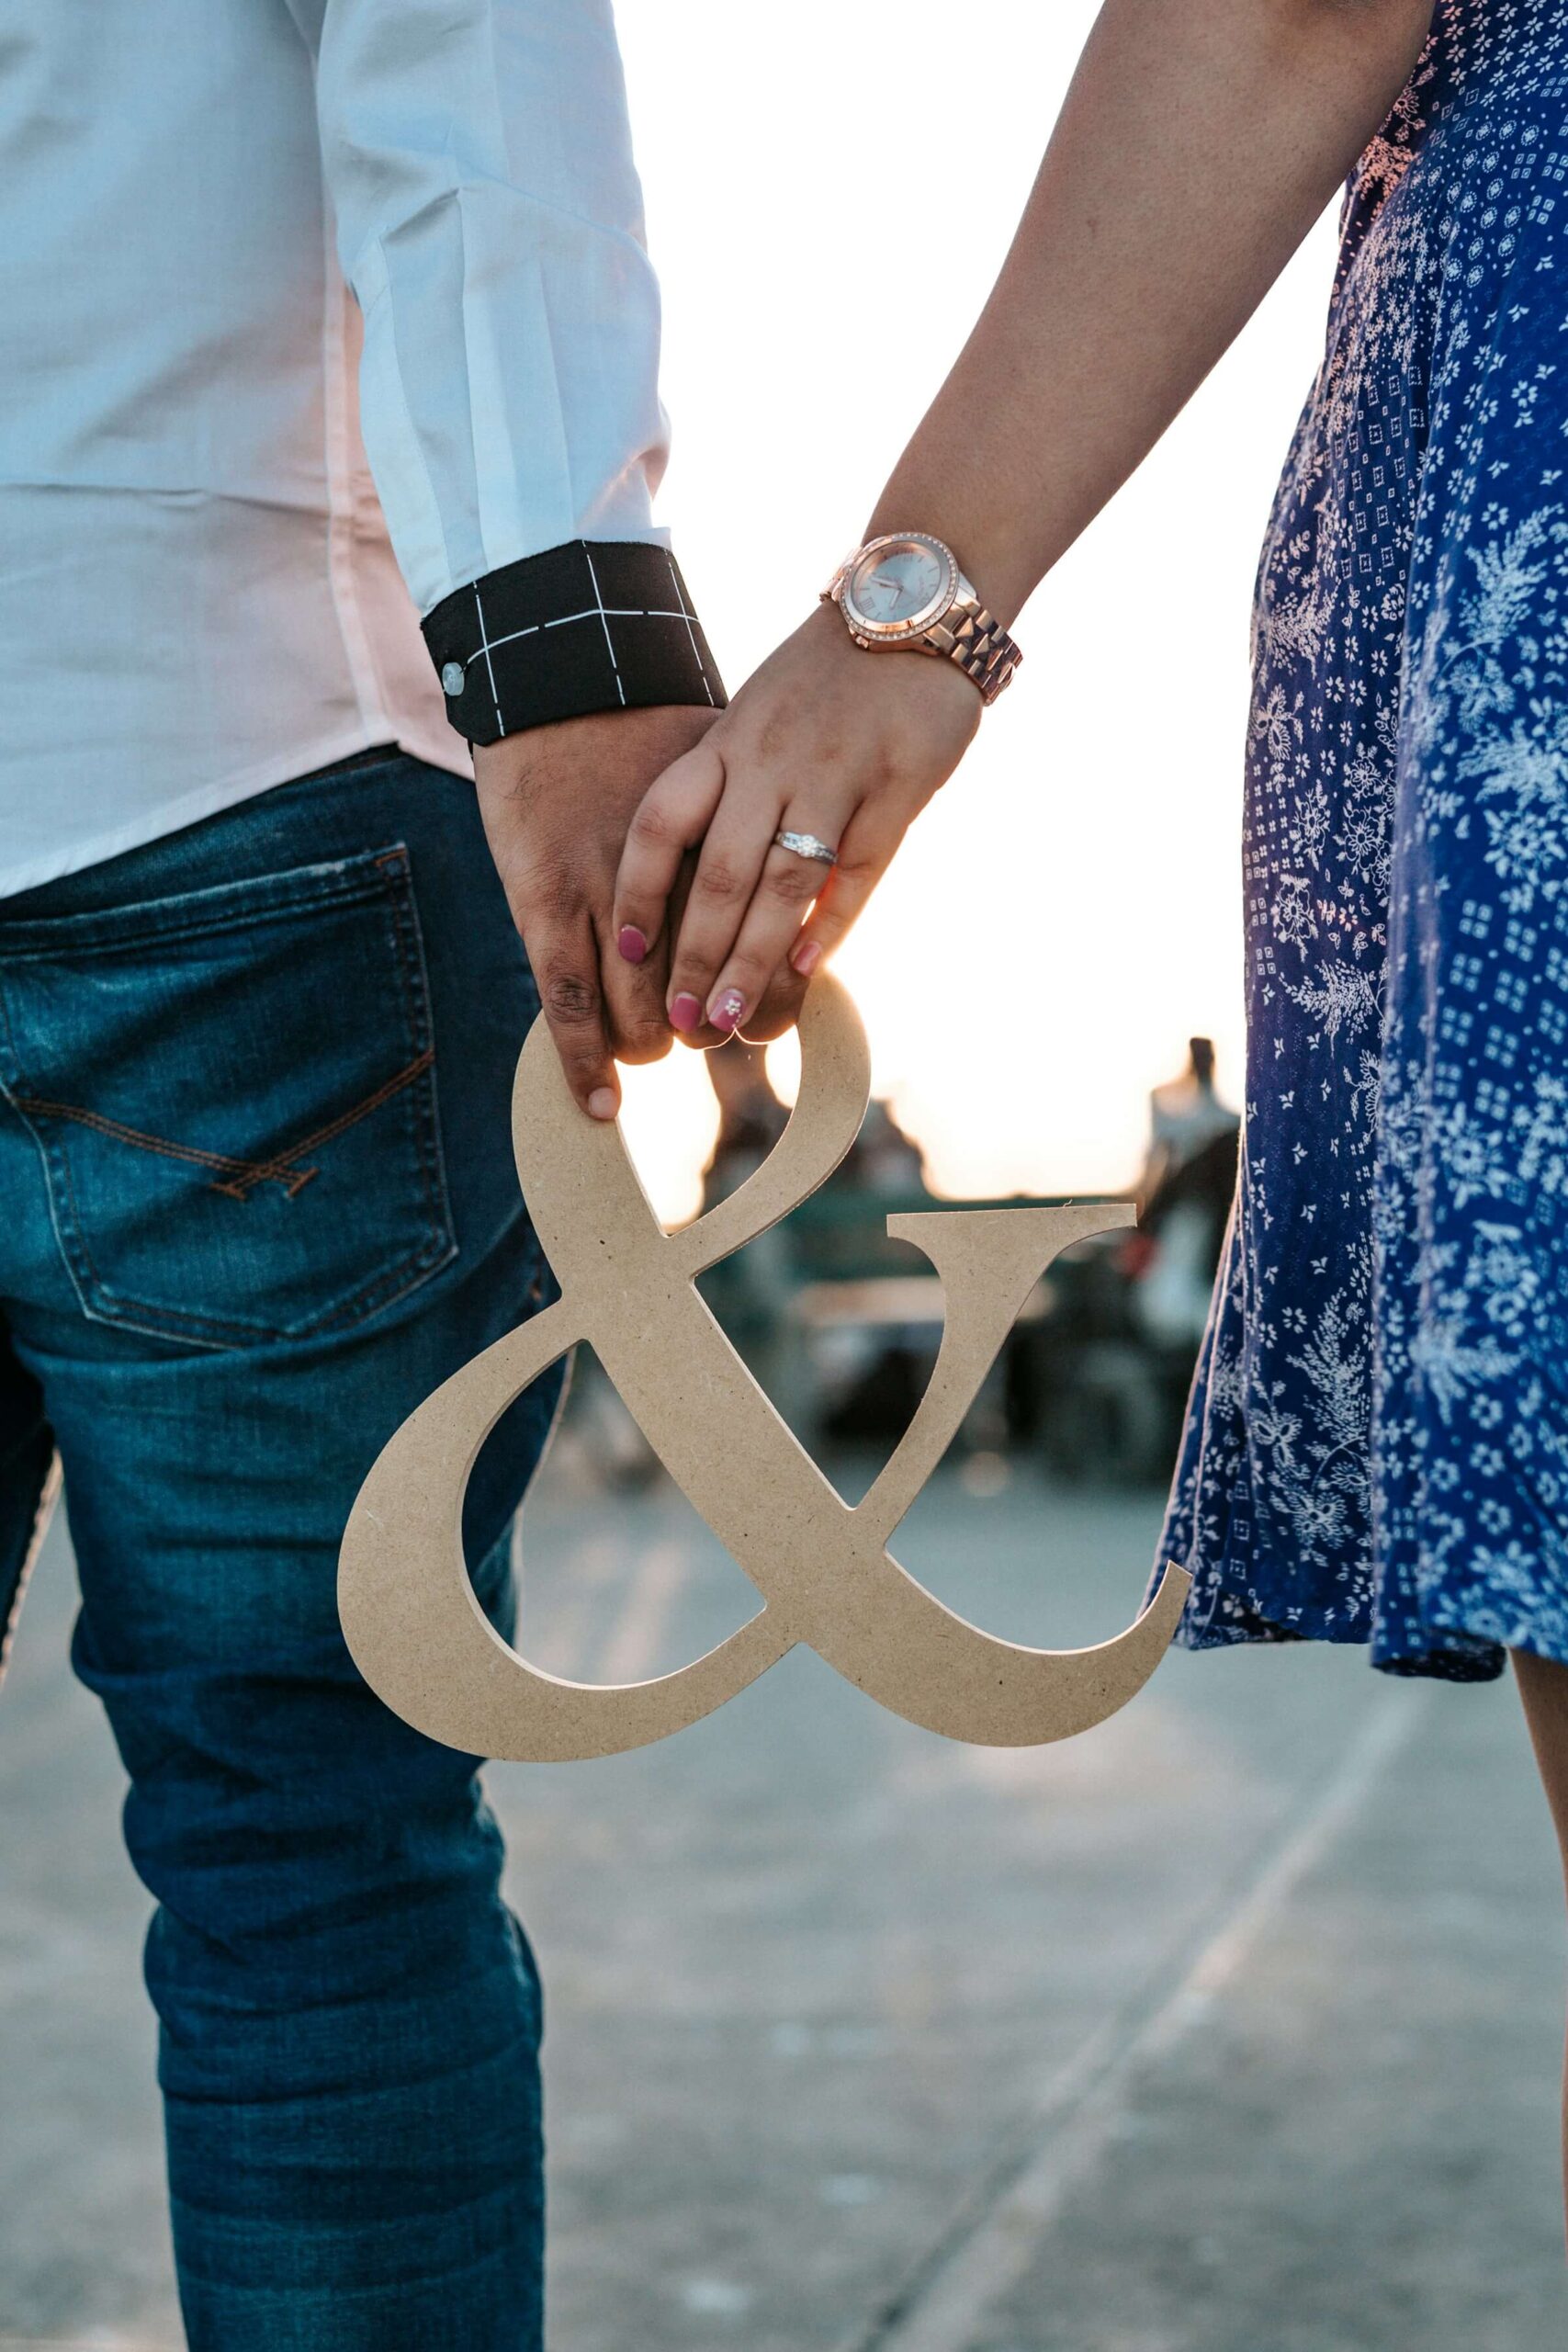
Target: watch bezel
[{"x": 914, "y": 624}]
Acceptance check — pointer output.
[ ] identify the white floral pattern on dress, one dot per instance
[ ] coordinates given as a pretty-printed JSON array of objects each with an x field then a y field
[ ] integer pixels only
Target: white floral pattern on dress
[{"x": 1377, "y": 1446}]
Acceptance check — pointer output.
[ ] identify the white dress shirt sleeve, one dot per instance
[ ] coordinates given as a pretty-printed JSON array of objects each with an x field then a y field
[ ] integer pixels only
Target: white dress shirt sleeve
[{"x": 488, "y": 218}]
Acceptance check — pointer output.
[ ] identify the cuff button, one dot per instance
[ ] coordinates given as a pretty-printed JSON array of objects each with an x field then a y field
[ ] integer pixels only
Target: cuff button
[{"x": 454, "y": 678}]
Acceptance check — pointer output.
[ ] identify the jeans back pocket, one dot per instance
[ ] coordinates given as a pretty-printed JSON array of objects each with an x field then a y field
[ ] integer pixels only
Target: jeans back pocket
[{"x": 233, "y": 1091}]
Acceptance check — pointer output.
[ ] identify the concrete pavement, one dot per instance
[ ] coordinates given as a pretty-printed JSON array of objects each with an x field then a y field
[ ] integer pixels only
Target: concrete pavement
[{"x": 1231, "y": 2027}]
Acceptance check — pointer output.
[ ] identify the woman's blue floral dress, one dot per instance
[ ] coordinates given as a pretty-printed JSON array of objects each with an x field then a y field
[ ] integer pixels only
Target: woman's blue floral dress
[{"x": 1377, "y": 1448}]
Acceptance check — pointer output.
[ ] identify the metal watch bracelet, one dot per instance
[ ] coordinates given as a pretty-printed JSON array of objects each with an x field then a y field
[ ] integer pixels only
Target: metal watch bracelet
[{"x": 978, "y": 643}]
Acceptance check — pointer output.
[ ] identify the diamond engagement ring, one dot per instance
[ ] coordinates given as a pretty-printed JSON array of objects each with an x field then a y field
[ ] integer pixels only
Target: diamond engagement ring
[{"x": 808, "y": 846}]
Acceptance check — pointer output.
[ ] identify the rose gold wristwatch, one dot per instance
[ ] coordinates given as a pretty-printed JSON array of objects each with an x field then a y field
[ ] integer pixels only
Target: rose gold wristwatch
[{"x": 905, "y": 589}]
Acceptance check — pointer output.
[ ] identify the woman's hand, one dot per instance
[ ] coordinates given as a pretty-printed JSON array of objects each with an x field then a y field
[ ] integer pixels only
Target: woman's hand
[{"x": 824, "y": 739}]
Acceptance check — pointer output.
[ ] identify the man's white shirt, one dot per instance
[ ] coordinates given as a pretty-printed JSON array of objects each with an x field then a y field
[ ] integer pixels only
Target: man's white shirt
[{"x": 217, "y": 531}]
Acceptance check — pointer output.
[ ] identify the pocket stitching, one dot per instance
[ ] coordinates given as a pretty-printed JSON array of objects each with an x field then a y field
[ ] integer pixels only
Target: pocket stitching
[
  {"x": 333, "y": 883},
  {"x": 247, "y": 1174},
  {"x": 74, "y": 1244},
  {"x": 256, "y": 1171},
  {"x": 415, "y": 980},
  {"x": 393, "y": 885}
]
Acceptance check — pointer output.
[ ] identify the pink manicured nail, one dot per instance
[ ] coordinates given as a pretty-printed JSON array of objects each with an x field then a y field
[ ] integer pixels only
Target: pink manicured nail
[
  {"x": 726, "y": 1011},
  {"x": 807, "y": 958},
  {"x": 631, "y": 943},
  {"x": 602, "y": 1103},
  {"x": 686, "y": 1013}
]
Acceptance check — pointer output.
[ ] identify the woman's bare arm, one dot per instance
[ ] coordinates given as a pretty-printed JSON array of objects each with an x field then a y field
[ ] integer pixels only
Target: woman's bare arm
[{"x": 1200, "y": 141}]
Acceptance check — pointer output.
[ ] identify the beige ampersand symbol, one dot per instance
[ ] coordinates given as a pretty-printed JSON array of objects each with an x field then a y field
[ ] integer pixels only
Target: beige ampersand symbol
[{"x": 823, "y": 1568}]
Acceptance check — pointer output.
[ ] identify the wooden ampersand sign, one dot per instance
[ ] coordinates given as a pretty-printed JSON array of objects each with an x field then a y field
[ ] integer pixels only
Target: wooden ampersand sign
[{"x": 823, "y": 1568}]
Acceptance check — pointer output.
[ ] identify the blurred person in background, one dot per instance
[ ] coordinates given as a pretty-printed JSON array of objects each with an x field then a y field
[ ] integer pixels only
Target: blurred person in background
[
  {"x": 1184, "y": 1199},
  {"x": 1376, "y": 1445},
  {"x": 261, "y": 997},
  {"x": 1185, "y": 1116}
]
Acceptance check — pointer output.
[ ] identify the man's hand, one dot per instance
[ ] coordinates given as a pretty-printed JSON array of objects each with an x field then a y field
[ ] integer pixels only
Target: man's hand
[{"x": 556, "y": 803}]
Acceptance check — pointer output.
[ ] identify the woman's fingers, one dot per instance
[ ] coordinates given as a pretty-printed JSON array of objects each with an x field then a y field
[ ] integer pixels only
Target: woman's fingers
[
  {"x": 864, "y": 855},
  {"x": 732, "y": 859},
  {"x": 672, "y": 818},
  {"x": 785, "y": 890}
]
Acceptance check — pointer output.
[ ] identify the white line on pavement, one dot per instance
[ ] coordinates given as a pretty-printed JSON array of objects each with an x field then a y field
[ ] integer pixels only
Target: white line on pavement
[{"x": 993, "y": 2237}]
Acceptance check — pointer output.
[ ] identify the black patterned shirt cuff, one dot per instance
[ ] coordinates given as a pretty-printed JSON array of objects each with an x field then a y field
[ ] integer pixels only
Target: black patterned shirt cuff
[{"x": 596, "y": 625}]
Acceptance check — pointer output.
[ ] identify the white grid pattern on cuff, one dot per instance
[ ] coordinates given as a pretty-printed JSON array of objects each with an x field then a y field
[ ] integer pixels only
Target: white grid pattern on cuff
[
  {"x": 604, "y": 614},
  {"x": 690, "y": 619},
  {"x": 489, "y": 665},
  {"x": 605, "y": 619}
]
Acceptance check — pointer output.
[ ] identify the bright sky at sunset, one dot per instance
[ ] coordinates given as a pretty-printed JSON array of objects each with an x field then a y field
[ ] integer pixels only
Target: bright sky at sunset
[{"x": 1067, "y": 913}]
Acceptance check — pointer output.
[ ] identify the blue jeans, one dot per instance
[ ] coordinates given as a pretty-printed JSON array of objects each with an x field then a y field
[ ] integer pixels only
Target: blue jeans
[{"x": 258, "y": 1200}]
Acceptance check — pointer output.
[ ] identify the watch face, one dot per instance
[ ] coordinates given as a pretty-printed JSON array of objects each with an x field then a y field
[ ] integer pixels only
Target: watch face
[{"x": 902, "y": 586}]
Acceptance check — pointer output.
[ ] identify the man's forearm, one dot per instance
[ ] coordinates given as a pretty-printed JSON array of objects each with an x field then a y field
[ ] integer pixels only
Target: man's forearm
[{"x": 1168, "y": 203}]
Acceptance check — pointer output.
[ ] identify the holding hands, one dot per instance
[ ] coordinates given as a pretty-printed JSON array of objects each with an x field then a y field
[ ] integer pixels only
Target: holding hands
[
  {"x": 824, "y": 743},
  {"x": 637, "y": 848},
  {"x": 722, "y": 874}
]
